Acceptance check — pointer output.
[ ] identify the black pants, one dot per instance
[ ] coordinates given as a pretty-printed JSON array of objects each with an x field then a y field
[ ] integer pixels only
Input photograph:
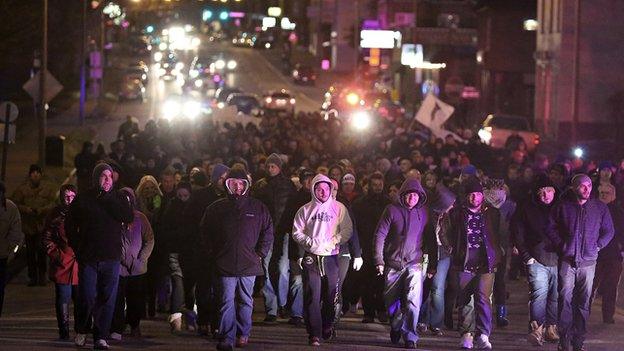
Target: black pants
[
  {"x": 3, "y": 280},
  {"x": 606, "y": 282},
  {"x": 371, "y": 287},
  {"x": 37, "y": 259},
  {"x": 131, "y": 294},
  {"x": 321, "y": 291},
  {"x": 207, "y": 304},
  {"x": 500, "y": 287}
]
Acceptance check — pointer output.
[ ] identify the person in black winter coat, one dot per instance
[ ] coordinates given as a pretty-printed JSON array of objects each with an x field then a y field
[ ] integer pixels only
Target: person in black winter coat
[
  {"x": 94, "y": 226},
  {"x": 528, "y": 229},
  {"x": 367, "y": 211},
  {"x": 609, "y": 265},
  {"x": 274, "y": 192},
  {"x": 237, "y": 233}
]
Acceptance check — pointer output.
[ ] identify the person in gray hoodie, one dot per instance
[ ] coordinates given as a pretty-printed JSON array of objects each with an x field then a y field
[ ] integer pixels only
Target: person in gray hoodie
[
  {"x": 137, "y": 245},
  {"x": 399, "y": 250},
  {"x": 11, "y": 236}
]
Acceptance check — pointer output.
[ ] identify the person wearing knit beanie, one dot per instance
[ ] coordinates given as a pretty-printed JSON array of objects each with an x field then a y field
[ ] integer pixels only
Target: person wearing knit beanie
[
  {"x": 274, "y": 159},
  {"x": 217, "y": 172}
]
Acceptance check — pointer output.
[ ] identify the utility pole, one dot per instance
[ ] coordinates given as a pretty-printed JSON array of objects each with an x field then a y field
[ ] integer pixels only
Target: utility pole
[
  {"x": 83, "y": 66},
  {"x": 575, "y": 72},
  {"x": 42, "y": 91}
]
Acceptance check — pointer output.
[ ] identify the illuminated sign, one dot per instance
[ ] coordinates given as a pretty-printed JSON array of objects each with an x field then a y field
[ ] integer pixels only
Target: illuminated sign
[
  {"x": 269, "y": 22},
  {"x": 274, "y": 11},
  {"x": 377, "y": 39}
]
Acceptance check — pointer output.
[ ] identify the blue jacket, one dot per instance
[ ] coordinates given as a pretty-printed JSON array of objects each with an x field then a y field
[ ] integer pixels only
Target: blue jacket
[{"x": 578, "y": 232}]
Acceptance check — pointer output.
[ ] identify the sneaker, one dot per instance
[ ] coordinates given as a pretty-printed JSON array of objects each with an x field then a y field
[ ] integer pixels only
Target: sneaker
[
  {"x": 368, "y": 319},
  {"x": 314, "y": 341},
  {"x": 242, "y": 341},
  {"x": 483, "y": 343},
  {"x": 437, "y": 332},
  {"x": 80, "y": 339},
  {"x": 410, "y": 345},
  {"x": 422, "y": 328},
  {"x": 115, "y": 336},
  {"x": 395, "y": 336},
  {"x": 296, "y": 321},
  {"x": 175, "y": 322},
  {"x": 551, "y": 334},
  {"x": 536, "y": 336},
  {"x": 466, "y": 341},
  {"x": 100, "y": 344},
  {"x": 224, "y": 346},
  {"x": 270, "y": 318}
]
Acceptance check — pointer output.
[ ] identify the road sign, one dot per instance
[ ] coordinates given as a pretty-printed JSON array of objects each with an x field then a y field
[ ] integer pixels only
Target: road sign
[
  {"x": 52, "y": 88},
  {"x": 9, "y": 109}
]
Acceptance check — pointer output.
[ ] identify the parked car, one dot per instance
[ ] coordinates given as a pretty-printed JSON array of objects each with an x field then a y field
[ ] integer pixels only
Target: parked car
[
  {"x": 497, "y": 128},
  {"x": 245, "y": 103},
  {"x": 222, "y": 94},
  {"x": 279, "y": 101},
  {"x": 303, "y": 74}
]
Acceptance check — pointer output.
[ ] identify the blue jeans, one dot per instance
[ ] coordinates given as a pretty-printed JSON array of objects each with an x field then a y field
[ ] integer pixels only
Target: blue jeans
[
  {"x": 279, "y": 275},
  {"x": 575, "y": 287},
  {"x": 542, "y": 293},
  {"x": 64, "y": 294},
  {"x": 402, "y": 295},
  {"x": 97, "y": 293},
  {"x": 295, "y": 291},
  {"x": 235, "y": 306},
  {"x": 432, "y": 312}
]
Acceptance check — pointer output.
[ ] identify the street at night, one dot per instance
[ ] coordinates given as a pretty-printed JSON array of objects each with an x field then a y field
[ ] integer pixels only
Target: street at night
[{"x": 284, "y": 174}]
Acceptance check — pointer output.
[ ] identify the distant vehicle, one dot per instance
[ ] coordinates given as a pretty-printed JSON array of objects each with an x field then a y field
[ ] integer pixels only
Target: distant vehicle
[
  {"x": 221, "y": 64},
  {"x": 497, "y": 128},
  {"x": 303, "y": 74},
  {"x": 265, "y": 41},
  {"x": 137, "y": 73},
  {"x": 132, "y": 89},
  {"x": 244, "y": 39},
  {"x": 199, "y": 74},
  {"x": 222, "y": 94},
  {"x": 279, "y": 101},
  {"x": 245, "y": 103}
]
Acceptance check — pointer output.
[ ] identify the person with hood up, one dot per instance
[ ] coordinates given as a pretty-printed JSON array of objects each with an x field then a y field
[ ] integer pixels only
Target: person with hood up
[
  {"x": 11, "y": 236},
  {"x": 237, "y": 233},
  {"x": 528, "y": 227},
  {"x": 400, "y": 247},
  {"x": 609, "y": 264},
  {"x": 470, "y": 237},
  {"x": 497, "y": 195},
  {"x": 579, "y": 227},
  {"x": 63, "y": 265},
  {"x": 274, "y": 191},
  {"x": 320, "y": 227},
  {"x": 137, "y": 246},
  {"x": 94, "y": 226}
]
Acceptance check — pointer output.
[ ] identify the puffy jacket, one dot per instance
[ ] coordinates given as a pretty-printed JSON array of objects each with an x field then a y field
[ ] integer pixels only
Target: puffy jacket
[
  {"x": 137, "y": 246},
  {"x": 237, "y": 232},
  {"x": 11, "y": 234},
  {"x": 528, "y": 227},
  {"x": 40, "y": 199},
  {"x": 94, "y": 225},
  {"x": 454, "y": 238},
  {"x": 367, "y": 211},
  {"x": 578, "y": 232},
  {"x": 274, "y": 193},
  {"x": 399, "y": 234},
  {"x": 321, "y": 227},
  {"x": 178, "y": 235},
  {"x": 63, "y": 264}
]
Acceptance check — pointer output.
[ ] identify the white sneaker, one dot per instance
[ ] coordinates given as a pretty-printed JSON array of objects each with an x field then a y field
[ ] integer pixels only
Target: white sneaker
[
  {"x": 100, "y": 344},
  {"x": 115, "y": 336},
  {"x": 466, "y": 341},
  {"x": 483, "y": 343},
  {"x": 80, "y": 339}
]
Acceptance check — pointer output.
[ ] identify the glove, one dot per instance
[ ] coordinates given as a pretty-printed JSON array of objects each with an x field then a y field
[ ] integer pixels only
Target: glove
[
  {"x": 357, "y": 263},
  {"x": 300, "y": 262},
  {"x": 380, "y": 269}
]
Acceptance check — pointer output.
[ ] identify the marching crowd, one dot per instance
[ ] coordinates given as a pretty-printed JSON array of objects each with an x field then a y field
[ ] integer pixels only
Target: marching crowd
[{"x": 193, "y": 220}]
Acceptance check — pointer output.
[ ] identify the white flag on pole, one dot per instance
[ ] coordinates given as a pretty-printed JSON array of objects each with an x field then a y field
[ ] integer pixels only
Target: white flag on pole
[{"x": 433, "y": 113}]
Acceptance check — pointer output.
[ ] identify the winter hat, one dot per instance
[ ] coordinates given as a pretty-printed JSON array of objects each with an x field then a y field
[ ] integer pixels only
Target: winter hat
[
  {"x": 185, "y": 185},
  {"x": 305, "y": 173},
  {"x": 218, "y": 170},
  {"x": 130, "y": 193},
  {"x": 237, "y": 173},
  {"x": 606, "y": 164},
  {"x": 543, "y": 181},
  {"x": 442, "y": 198},
  {"x": 348, "y": 178},
  {"x": 98, "y": 170},
  {"x": 472, "y": 185},
  {"x": 469, "y": 170},
  {"x": 274, "y": 159},
  {"x": 580, "y": 178}
]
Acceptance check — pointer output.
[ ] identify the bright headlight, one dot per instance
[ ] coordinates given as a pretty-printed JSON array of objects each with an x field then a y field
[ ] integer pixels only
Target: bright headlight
[
  {"x": 231, "y": 64},
  {"x": 220, "y": 64},
  {"x": 170, "y": 109},
  {"x": 191, "y": 109},
  {"x": 361, "y": 120}
]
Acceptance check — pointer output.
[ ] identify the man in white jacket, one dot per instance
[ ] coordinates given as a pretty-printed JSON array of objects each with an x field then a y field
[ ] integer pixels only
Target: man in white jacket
[{"x": 320, "y": 226}]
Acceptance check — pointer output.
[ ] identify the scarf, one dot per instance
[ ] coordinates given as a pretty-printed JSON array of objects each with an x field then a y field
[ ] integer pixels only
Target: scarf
[{"x": 495, "y": 197}]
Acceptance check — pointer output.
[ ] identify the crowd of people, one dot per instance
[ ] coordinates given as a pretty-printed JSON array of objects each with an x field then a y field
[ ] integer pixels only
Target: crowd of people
[{"x": 193, "y": 219}]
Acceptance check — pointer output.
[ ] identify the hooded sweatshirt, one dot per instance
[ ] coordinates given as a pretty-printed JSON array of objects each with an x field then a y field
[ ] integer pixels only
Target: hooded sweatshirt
[
  {"x": 399, "y": 235},
  {"x": 320, "y": 227}
]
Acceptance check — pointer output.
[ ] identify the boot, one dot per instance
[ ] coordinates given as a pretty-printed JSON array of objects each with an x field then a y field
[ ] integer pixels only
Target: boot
[
  {"x": 551, "y": 334},
  {"x": 536, "y": 336},
  {"x": 501, "y": 316},
  {"x": 175, "y": 321},
  {"x": 191, "y": 320},
  {"x": 63, "y": 322}
]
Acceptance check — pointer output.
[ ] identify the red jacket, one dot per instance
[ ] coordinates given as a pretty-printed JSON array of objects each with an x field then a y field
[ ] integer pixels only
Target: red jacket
[{"x": 63, "y": 264}]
